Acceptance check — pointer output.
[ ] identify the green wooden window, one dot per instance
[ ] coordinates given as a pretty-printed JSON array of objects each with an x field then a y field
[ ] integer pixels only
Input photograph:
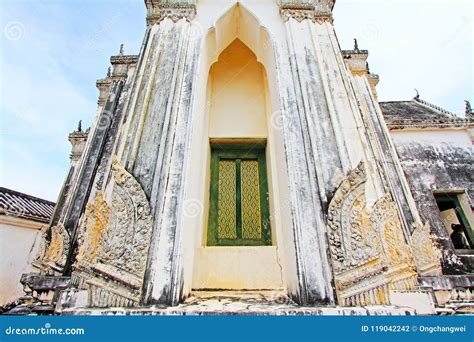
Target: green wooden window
[{"x": 239, "y": 214}]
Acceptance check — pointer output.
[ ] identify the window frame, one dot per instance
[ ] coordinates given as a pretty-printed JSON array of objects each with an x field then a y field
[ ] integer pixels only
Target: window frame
[
  {"x": 454, "y": 196},
  {"x": 248, "y": 149}
]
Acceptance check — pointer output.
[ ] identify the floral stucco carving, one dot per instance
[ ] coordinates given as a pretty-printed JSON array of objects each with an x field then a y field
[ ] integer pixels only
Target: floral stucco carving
[
  {"x": 300, "y": 14},
  {"x": 427, "y": 255},
  {"x": 125, "y": 241},
  {"x": 113, "y": 253},
  {"x": 174, "y": 12},
  {"x": 346, "y": 216},
  {"x": 369, "y": 253},
  {"x": 96, "y": 219},
  {"x": 58, "y": 247},
  {"x": 385, "y": 220}
]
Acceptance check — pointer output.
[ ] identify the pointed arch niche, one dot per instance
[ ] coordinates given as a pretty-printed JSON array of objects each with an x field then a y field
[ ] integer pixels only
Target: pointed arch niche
[{"x": 237, "y": 97}]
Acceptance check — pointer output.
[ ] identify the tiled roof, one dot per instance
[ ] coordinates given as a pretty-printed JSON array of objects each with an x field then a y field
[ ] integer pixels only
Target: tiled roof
[
  {"x": 14, "y": 203},
  {"x": 418, "y": 113}
]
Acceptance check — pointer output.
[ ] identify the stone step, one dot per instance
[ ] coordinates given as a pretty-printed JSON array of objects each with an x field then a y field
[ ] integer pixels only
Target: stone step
[{"x": 263, "y": 303}]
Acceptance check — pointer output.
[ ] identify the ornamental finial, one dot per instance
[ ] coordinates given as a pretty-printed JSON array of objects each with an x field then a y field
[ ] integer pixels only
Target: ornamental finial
[
  {"x": 468, "y": 112},
  {"x": 417, "y": 97},
  {"x": 356, "y": 45},
  {"x": 79, "y": 126}
]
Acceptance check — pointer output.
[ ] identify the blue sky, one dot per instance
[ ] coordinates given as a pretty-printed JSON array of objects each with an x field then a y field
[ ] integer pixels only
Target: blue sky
[{"x": 53, "y": 51}]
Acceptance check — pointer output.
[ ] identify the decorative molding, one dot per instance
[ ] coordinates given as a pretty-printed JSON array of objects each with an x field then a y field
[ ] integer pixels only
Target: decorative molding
[
  {"x": 346, "y": 214},
  {"x": 175, "y": 12},
  {"x": 445, "y": 120},
  {"x": 426, "y": 254},
  {"x": 78, "y": 141},
  {"x": 432, "y": 106},
  {"x": 300, "y": 13},
  {"x": 124, "y": 59},
  {"x": 369, "y": 254},
  {"x": 96, "y": 219},
  {"x": 58, "y": 247},
  {"x": 322, "y": 17},
  {"x": 125, "y": 241},
  {"x": 386, "y": 222},
  {"x": 420, "y": 124},
  {"x": 114, "y": 250}
]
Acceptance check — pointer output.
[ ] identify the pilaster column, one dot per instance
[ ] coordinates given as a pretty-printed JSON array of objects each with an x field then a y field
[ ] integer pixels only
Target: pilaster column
[
  {"x": 78, "y": 140},
  {"x": 313, "y": 152},
  {"x": 154, "y": 142},
  {"x": 379, "y": 137}
]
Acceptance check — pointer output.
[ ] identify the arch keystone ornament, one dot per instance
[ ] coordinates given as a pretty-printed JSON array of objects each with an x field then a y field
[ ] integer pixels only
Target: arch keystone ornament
[
  {"x": 113, "y": 253},
  {"x": 369, "y": 254}
]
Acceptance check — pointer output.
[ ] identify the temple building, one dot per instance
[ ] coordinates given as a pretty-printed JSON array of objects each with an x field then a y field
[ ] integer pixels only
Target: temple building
[
  {"x": 22, "y": 217},
  {"x": 243, "y": 157}
]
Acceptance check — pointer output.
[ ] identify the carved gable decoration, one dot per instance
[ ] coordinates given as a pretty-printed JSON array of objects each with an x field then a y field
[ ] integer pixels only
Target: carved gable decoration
[
  {"x": 113, "y": 255},
  {"x": 347, "y": 223},
  {"x": 369, "y": 254},
  {"x": 125, "y": 241}
]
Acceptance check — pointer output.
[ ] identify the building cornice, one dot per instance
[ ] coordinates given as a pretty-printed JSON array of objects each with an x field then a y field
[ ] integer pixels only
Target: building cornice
[
  {"x": 124, "y": 59},
  {"x": 431, "y": 124},
  {"x": 298, "y": 10},
  {"x": 157, "y": 11},
  {"x": 21, "y": 222}
]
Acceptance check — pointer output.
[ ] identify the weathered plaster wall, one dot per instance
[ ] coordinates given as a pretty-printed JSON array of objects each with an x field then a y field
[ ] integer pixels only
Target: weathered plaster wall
[
  {"x": 17, "y": 249},
  {"x": 237, "y": 268},
  {"x": 439, "y": 159}
]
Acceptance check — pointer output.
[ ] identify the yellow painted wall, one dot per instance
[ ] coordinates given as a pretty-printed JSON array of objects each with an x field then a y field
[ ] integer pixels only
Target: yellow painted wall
[{"x": 237, "y": 94}]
